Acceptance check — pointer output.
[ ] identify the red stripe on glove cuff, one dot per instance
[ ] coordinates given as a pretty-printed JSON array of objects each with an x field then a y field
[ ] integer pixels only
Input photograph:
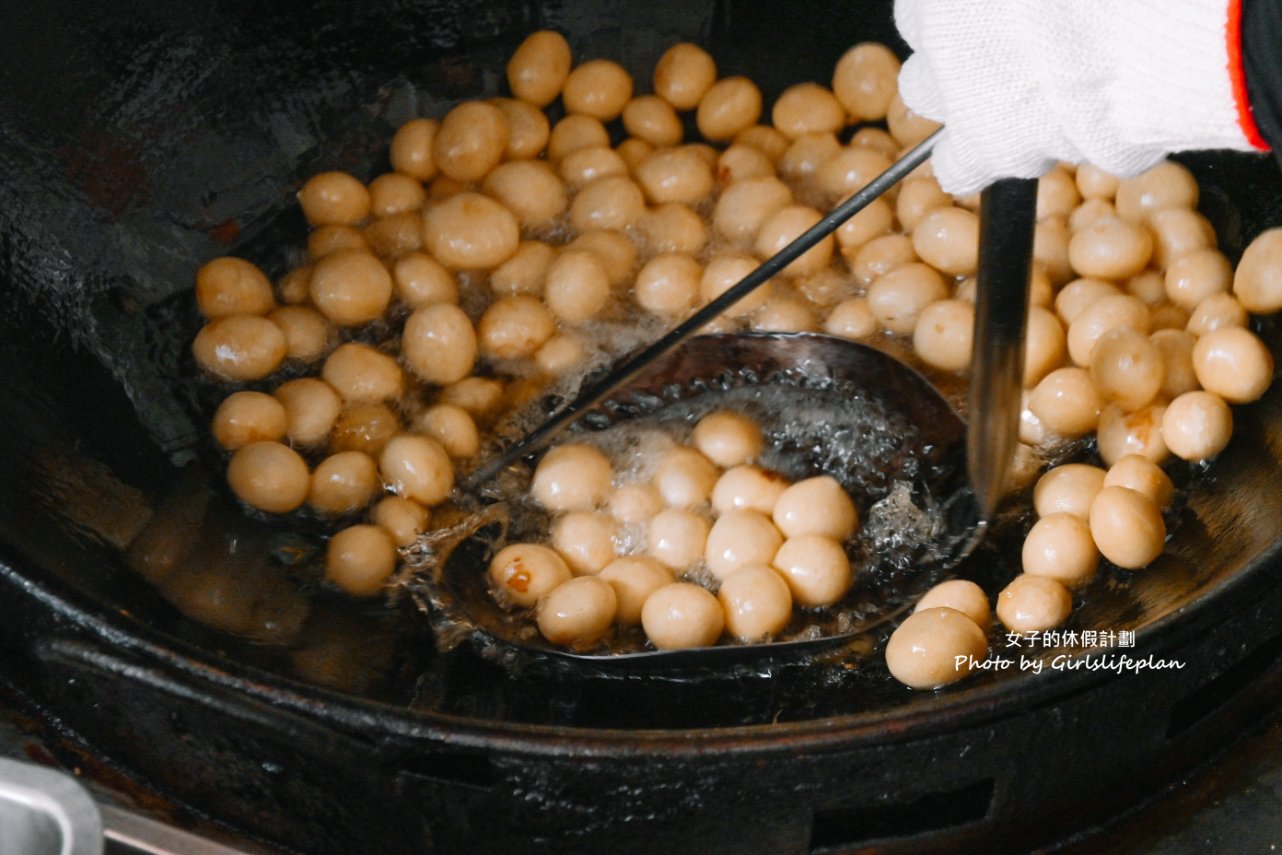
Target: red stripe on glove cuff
[{"x": 1237, "y": 76}]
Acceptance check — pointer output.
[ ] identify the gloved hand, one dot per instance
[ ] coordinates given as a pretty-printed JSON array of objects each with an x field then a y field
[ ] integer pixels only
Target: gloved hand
[{"x": 1021, "y": 84}]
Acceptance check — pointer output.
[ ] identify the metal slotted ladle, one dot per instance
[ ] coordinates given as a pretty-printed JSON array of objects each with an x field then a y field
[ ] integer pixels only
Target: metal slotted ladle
[{"x": 927, "y": 487}]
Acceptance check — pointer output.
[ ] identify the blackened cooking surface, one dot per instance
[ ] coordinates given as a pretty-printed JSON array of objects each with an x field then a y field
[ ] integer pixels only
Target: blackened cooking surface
[{"x": 139, "y": 140}]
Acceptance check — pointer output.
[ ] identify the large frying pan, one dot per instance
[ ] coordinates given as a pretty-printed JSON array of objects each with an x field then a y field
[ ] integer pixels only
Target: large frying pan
[{"x": 139, "y": 139}]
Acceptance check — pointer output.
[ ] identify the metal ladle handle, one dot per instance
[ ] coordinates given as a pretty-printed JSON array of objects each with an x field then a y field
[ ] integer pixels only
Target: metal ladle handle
[{"x": 631, "y": 367}]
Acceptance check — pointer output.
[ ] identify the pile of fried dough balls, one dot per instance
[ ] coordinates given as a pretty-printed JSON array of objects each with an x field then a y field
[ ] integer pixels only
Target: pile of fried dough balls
[{"x": 503, "y": 251}]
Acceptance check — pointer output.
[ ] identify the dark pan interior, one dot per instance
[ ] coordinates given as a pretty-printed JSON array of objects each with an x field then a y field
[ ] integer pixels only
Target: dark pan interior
[{"x": 139, "y": 140}]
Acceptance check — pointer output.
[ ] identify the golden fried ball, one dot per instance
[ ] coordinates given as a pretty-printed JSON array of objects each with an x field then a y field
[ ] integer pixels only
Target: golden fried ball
[
  {"x": 334, "y": 199},
  {"x": 1068, "y": 489},
  {"x": 471, "y": 141},
  {"x": 417, "y": 468},
  {"x": 239, "y": 347},
  {"x": 515, "y": 327},
  {"x": 522, "y": 573},
  {"x": 269, "y": 476},
  {"x": 360, "y": 559},
  {"x": 1127, "y": 527},
  {"x": 470, "y": 232},
  {"x": 1144, "y": 477},
  {"x": 817, "y": 505},
  {"x": 307, "y": 333},
  {"x": 943, "y": 334},
  {"x": 1126, "y": 368},
  {"x": 1066, "y": 403},
  {"x": 960, "y": 595},
  {"x": 1033, "y": 604},
  {"x": 948, "y": 239},
  {"x": 453, "y": 427},
  {"x": 816, "y": 569},
  {"x": 807, "y": 108},
  {"x": 539, "y": 67},
  {"x": 785, "y": 226},
  {"x": 684, "y": 478},
  {"x": 740, "y": 538},
  {"x": 577, "y": 287},
  {"x": 245, "y": 417},
  {"x": 683, "y": 75},
  {"x": 745, "y": 205},
  {"x": 728, "y": 438},
  {"x": 680, "y": 616},
  {"x": 1167, "y": 185},
  {"x": 232, "y": 286},
  {"x": 1257, "y": 283},
  {"x": 757, "y": 603},
  {"x": 935, "y": 647},
  {"x": 1059, "y": 547},
  {"x": 364, "y": 427},
  {"x": 411, "y": 150},
  {"x": 668, "y": 284},
  {"x": 403, "y": 519},
  {"x": 422, "y": 280},
  {"x": 585, "y": 539},
  {"x": 530, "y": 190},
  {"x": 728, "y": 106},
  {"x": 865, "y": 80},
  {"x": 343, "y": 483},
  {"x": 572, "y": 477},
  {"x": 527, "y": 128},
  {"x": 311, "y": 407},
  {"x": 1233, "y": 363},
  {"x": 676, "y": 537},
  {"x": 897, "y": 298},
  {"x": 598, "y": 88},
  {"x": 350, "y": 287},
  {"x": 634, "y": 578},
  {"x": 577, "y": 613},
  {"x": 361, "y": 374},
  {"x": 439, "y": 343}
]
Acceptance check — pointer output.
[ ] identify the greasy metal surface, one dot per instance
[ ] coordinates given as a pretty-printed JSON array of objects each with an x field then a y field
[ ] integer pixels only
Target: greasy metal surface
[
  {"x": 45, "y": 812},
  {"x": 140, "y": 139}
]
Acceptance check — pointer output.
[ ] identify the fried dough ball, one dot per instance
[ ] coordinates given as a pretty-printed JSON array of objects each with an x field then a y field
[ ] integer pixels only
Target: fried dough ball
[
  {"x": 439, "y": 343},
  {"x": 239, "y": 347},
  {"x": 634, "y": 578},
  {"x": 573, "y": 477},
  {"x": 245, "y": 417},
  {"x": 527, "y": 128},
  {"x": 675, "y": 175},
  {"x": 817, "y": 506},
  {"x": 469, "y": 231},
  {"x": 1167, "y": 185},
  {"x": 806, "y": 156},
  {"x": 1050, "y": 249},
  {"x": 471, "y": 141},
  {"x": 585, "y": 539},
  {"x": 539, "y": 67},
  {"x": 852, "y": 319},
  {"x": 943, "y": 334},
  {"x": 898, "y": 298},
  {"x": 745, "y": 206},
  {"x": 577, "y": 613},
  {"x": 807, "y": 108},
  {"x": 1046, "y": 345},
  {"x": 1110, "y": 249},
  {"x": 680, "y": 616},
  {"x": 311, "y": 406},
  {"x": 394, "y": 193},
  {"x": 960, "y": 595},
  {"x": 403, "y": 519},
  {"x": 880, "y": 256},
  {"x": 360, "y": 559},
  {"x": 1215, "y": 312},
  {"x": 740, "y": 162},
  {"x": 515, "y": 327},
  {"x": 785, "y": 226},
  {"x": 1079, "y": 295},
  {"x": 673, "y": 227},
  {"x": 453, "y": 428},
  {"x": 525, "y": 272},
  {"x": 905, "y": 126},
  {"x": 1144, "y": 477},
  {"x": 1199, "y": 274},
  {"x": 634, "y": 503},
  {"x": 307, "y": 333},
  {"x": 364, "y": 427},
  {"x": 577, "y": 286},
  {"x": 343, "y": 483},
  {"x": 615, "y": 251},
  {"x": 728, "y": 438},
  {"x": 872, "y": 222},
  {"x": 816, "y": 569},
  {"x": 417, "y": 468},
  {"x": 350, "y": 287},
  {"x": 748, "y": 488},
  {"x": 948, "y": 239},
  {"x": 1234, "y": 364},
  {"x": 1095, "y": 183},
  {"x": 740, "y": 538},
  {"x": 865, "y": 80},
  {"x": 1066, "y": 403},
  {"x": 1057, "y": 194},
  {"x": 722, "y": 273},
  {"x": 360, "y": 374},
  {"x": 575, "y": 132},
  {"x": 232, "y": 286},
  {"x": 1257, "y": 283},
  {"x": 1033, "y": 604},
  {"x": 651, "y": 118},
  {"x": 269, "y": 476},
  {"x": 584, "y": 165},
  {"x": 917, "y": 198},
  {"x": 559, "y": 354},
  {"x": 728, "y": 106},
  {"x": 530, "y": 190},
  {"x": 480, "y": 396},
  {"x": 676, "y": 537},
  {"x": 294, "y": 286},
  {"x": 613, "y": 202},
  {"x": 1059, "y": 547},
  {"x": 668, "y": 284},
  {"x": 1127, "y": 527},
  {"x": 935, "y": 647},
  {"x": 411, "y": 150},
  {"x": 1068, "y": 489},
  {"x": 757, "y": 603},
  {"x": 1176, "y": 349},
  {"x": 334, "y": 199},
  {"x": 422, "y": 280},
  {"x": 683, "y": 75},
  {"x": 1197, "y": 425},
  {"x": 1107, "y": 313},
  {"x": 685, "y": 478},
  {"x": 1177, "y": 232},
  {"x": 598, "y": 88},
  {"x": 522, "y": 573},
  {"x": 1121, "y": 433},
  {"x": 327, "y": 239},
  {"x": 1126, "y": 368}
]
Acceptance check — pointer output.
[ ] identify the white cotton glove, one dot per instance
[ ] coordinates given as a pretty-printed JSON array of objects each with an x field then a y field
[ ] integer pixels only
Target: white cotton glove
[{"x": 1021, "y": 84}]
